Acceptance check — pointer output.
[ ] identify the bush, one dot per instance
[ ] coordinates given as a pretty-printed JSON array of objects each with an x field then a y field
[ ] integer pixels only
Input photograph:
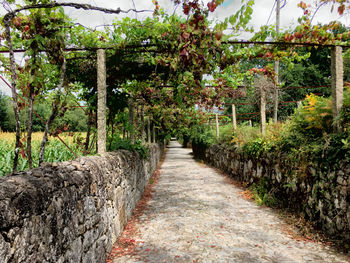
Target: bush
[
  {"x": 262, "y": 193},
  {"x": 117, "y": 143},
  {"x": 202, "y": 135},
  {"x": 345, "y": 111},
  {"x": 314, "y": 118},
  {"x": 257, "y": 147},
  {"x": 307, "y": 137},
  {"x": 244, "y": 134}
]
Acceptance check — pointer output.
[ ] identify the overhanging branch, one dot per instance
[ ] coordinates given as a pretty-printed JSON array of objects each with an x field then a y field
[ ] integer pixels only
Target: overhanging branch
[{"x": 73, "y": 5}]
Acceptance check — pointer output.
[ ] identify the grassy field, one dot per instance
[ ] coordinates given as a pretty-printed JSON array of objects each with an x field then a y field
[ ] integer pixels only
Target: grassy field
[{"x": 56, "y": 151}]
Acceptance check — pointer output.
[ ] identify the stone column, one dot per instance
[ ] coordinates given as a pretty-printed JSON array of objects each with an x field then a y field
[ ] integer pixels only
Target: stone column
[
  {"x": 217, "y": 125},
  {"x": 149, "y": 129},
  {"x": 154, "y": 133},
  {"x": 277, "y": 67},
  {"x": 101, "y": 101},
  {"x": 263, "y": 111},
  {"x": 337, "y": 83},
  {"x": 131, "y": 119},
  {"x": 142, "y": 123},
  {"x": 234, "y": 117}
]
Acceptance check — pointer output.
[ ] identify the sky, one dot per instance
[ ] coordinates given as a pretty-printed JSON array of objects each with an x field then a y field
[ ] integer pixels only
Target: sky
[{"x": 262, "y": 10}]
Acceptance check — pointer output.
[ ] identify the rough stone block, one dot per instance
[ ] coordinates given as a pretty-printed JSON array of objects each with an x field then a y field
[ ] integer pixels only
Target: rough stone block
[
  {"x": 71, "y": 211},
  {"x": 313, "y": 194}
]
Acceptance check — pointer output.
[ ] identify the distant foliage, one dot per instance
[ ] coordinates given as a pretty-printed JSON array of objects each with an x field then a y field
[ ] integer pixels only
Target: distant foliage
[{"x": 307, "y": 136}]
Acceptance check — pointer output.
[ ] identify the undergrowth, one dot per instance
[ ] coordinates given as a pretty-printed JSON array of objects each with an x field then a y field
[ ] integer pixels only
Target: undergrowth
[
  {"x": 117, "y": 143},
  {"x": 307, "y": 137}
]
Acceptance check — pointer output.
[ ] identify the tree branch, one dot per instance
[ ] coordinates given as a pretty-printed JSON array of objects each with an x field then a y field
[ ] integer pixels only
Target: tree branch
[
  {"x": 54, "y": 112},
  {"x": 7, "y": 23},
  {"x": 73, "y": 5}
]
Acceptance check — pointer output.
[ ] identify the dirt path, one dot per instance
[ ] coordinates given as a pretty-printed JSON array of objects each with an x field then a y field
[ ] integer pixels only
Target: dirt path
[{"x": 195, "y": 215}]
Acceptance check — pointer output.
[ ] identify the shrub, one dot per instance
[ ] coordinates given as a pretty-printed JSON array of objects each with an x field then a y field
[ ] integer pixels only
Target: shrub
[
  {"x": 314, "y": 118},
  {"x": 244, "y": 134},
  {"x": 257, "y": 147},
  {"x": 202, "y": 135},
  {"x": 116, "y": 143}
]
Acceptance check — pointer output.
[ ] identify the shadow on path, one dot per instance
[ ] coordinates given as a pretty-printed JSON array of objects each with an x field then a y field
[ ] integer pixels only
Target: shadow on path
[{"x": 195, "y": 215}]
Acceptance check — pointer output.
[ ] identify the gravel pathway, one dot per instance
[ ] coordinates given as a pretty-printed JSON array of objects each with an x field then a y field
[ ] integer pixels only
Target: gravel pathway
[{"x": 195, "y": 215}]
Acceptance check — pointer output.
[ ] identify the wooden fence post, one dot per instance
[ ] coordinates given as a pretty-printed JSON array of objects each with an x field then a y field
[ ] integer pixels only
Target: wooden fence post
[
  {"x": 337, "y": 83},
  {"x": 263, "y": 110},
  {"x": 101, "y": 101},
  {"x": 217, "y": 125},
  {"x": 234, "y": 117}
]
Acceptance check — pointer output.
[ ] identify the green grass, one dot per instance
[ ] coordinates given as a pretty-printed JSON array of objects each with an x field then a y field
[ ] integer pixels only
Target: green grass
[
  {"x": 242, "y": 135},
  {"x": 56, "y": 151}
]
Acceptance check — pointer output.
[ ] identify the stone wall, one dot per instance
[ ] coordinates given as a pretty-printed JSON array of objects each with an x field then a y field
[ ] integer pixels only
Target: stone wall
[
  {"x": 323, "y": 196},
  {"x": 72, "y": 211}
]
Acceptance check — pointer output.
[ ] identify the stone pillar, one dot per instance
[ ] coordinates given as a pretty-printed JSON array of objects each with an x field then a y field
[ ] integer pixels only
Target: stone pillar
[
  {"x": 277, "y": 66},
  {"x": 142, "y": 113},
  {"x": 337, "y": 83},
  {"x": 101, "y": 101},
  {"x": 263, "y": 111},
  {"x": 234, "y": 117},
  {"x": 217, "y": 125},
  {"x": 275, "y": 96},
  {"x": 149, "y": 129},
  {"x": 131, "y": 119},
  {"x": 154, "y": 133}
]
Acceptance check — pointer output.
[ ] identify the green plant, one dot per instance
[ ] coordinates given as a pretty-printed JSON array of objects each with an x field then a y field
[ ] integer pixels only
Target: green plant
[
  {"x": 244, "y": 134},
  {"x": 116, "y": 143},
  {"x": 263, "y": 194},
  {"x": 315, "y": 117},
  {"x": 257, "y": 147},
  {"x": 202, "y": 135},
  {"x": 56, "y": 152}
]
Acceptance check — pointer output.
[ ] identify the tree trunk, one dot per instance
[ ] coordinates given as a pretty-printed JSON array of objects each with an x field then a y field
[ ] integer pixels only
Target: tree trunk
[
  {"x": 30, "y": 127},
  {"x": 54, "y": 113},
  {"x": 7, "y": 21},
  {"x": 33, "y": 73},
  {"x": 87, "y": 142},
  {"x": 52, "y": 117}
]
